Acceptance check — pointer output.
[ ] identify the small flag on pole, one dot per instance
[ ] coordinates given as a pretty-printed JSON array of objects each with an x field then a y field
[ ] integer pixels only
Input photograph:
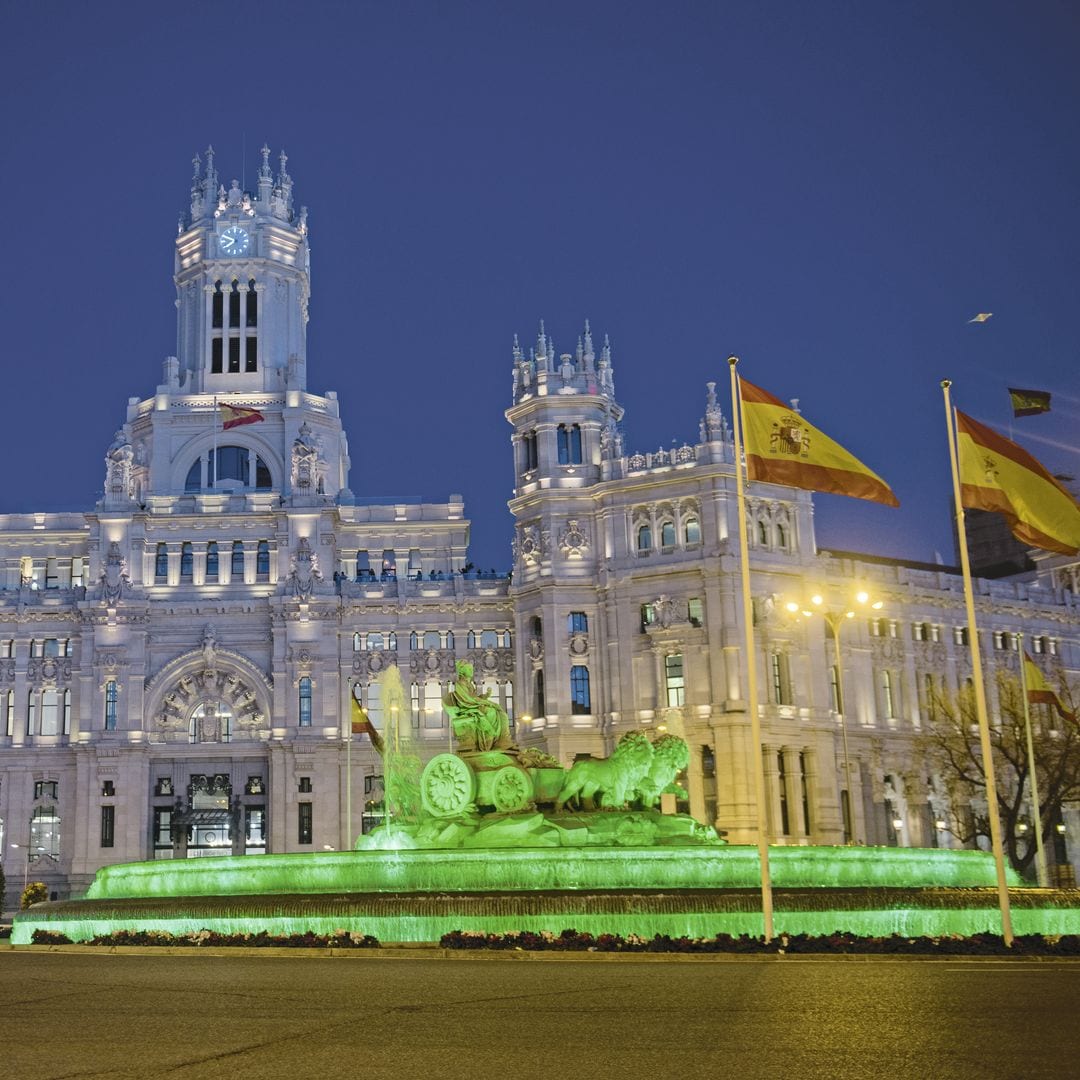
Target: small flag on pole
[
  {"x": 362, "y": 725},
  {"x": 237, "y": 415},
  {"x": 1029, "y": 402},
  {"x": 983, "y": 316},
  {"x": 1039, "y": 691},
  {"x": 782, "y": 448},
  {"x": 998, "y": 475}
]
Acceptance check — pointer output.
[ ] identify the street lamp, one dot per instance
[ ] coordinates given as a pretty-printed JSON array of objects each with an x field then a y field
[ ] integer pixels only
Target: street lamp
[{"x": 834, "y": 618}]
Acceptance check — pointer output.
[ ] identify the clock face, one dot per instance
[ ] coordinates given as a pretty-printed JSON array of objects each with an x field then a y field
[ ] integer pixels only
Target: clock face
[{"x": 233, "y": 241}]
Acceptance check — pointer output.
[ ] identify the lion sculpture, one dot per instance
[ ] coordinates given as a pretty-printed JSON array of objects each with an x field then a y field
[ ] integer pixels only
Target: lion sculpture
[
  {"x": 616, "y": 778},
  {"x": 670, "y": 756}
]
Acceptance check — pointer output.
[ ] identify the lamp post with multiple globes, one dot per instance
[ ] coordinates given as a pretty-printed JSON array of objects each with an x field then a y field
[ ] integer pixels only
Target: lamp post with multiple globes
[{"x": 835, "y": 617}]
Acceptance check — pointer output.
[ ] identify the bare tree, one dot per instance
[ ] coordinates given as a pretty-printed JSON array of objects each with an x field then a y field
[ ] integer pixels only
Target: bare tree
[{"x": 952, "y": 743}]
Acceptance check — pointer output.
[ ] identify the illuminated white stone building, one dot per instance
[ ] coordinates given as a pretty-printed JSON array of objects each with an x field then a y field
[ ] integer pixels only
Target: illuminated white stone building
[{"x": 176, "y": 663}]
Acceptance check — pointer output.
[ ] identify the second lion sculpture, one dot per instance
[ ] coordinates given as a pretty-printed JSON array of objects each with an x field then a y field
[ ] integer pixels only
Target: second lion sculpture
[{"x": 616, "y": 778}]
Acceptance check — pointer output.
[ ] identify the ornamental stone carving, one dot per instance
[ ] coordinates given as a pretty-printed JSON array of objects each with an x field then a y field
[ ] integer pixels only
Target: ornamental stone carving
[
  {"x": 887, "y": 648},
  {"x": 579, "y": 644},
  {"x": 532, "y": 545},
  {"x": 573, "y": 540},
  {"x": 304, "y": 574},
  {"x": 307, "y": 464},
  {"x": 669, "y": 612},
  {"x": 114, "y": 577},
  {"x": 119, "y": 469}
]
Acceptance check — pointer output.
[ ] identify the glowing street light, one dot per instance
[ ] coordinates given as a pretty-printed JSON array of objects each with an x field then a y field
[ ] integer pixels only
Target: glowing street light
[{"x": 834, "y": 618}]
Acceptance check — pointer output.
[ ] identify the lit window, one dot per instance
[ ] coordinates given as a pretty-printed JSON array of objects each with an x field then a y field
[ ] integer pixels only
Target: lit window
[
  {"x": 673, "y": 678},
  {"x": 305, "y": 702},
  {"x": 887, "y": 694},
  {"x": 695, "y": 611},
  {"x": 644, "y": 538},
  {"x": 45, "y": 832},
  {"x": 667, "y": 535},
  {"x": 580, "y": 697},
  {"x": 781, "y": 682},
  {"x": 212, "y": 561},
  {"x": 110, "y": 705},
  {"x": 577, "y": 622},
  {"x": 238, "y": 560},
  {"x": 187, "y": 561},
  {"x": 569, "y": 444},
  {"x": 692, "y": 531},
  {"x": 108, "y": 825},
  {"x": 304, "y": 823},
  {"x": 161, "y": 563}
]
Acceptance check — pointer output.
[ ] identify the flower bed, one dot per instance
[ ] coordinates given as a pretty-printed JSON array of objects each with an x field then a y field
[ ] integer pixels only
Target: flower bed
[
  {"x": 343, "y": 939},
  {"x": 573, "y": 941}
]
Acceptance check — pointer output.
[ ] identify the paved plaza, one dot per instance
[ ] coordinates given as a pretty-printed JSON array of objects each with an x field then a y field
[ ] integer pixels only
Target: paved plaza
[{"x": 254, "y": 1016}]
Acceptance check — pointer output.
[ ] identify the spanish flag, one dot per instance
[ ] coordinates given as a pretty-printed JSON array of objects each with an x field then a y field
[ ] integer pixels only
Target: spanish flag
[
  {"x": 362, "y": 725},
  {"x": 237, "y": 415},
  {"x": 1039, "y": 692},
  {"x": 1029, "y": 402},
  {"x": 782, "y": 448},
  {"x": 998, "y": 475}
]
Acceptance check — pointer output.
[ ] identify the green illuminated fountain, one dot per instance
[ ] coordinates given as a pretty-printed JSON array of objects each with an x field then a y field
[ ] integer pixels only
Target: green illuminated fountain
[{"x": 496, "y": 839}]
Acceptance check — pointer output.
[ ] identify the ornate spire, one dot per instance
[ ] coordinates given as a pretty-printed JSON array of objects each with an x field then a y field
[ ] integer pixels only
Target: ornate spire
[
  {"x": 580, "y": 351},
  {"x": 211, "y": 173},
  {"x": 605, "y": 352},
  {"x": 541, "y": 341},
  {"x": 519, "y": 356},
  {"x": 196, "y": 176},
  {"x": 588, "y": 339},
  {"x": 264, "y": 171}
]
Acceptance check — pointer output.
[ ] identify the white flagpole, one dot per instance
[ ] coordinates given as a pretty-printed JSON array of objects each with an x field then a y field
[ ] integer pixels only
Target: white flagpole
[
  {"x": 751, "y": 663},
  {"x": 1041, "y": 875},
  {"x": 977, "y": 679}
]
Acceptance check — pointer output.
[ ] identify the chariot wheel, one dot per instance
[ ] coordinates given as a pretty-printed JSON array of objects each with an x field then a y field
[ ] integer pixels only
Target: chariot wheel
[
  {"x": 447, "y": 786},
  {"x": 511, "y": 790}
]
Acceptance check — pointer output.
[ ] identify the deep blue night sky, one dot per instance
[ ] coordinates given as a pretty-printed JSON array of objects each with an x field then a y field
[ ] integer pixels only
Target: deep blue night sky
[{"x": 830, "y": 190}]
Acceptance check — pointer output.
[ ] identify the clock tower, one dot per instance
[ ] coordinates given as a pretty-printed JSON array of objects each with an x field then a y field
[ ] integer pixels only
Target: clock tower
[{"x": 242, "y": 287}]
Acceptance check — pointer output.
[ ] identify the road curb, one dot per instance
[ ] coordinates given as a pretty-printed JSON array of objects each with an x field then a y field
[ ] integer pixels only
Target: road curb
[{"x": 435, "y": 952}]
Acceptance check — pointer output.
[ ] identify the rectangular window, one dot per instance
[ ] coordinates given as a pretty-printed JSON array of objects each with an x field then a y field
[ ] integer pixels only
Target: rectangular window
[
  {"x": 305, "y": 702},
  {"x": 648, "y": 616},
  {"x": 238, "y": 560},
  {"x": 805, "y": 793},
  {"x": 433, "y": 711},
  {"x": 77, "y": 572},
  {"x": 781, "y": 779},
  {"x": 254, "y": 830},
  {"x": 211, "y": 561},
  {"x": 162, "y": 832},
  {"x": 234, "y": 306},
  {"x": 580, "y": 695},
  {"x": 234, "y": 355},
  {"x": 781, "y": 684},
  {"x": 161, "y": 563},
  {"x": 110, "y": 705},
  {"x": 303, "y": 823},
  {"x": 215, "y": 356},
  {"x": 834, "y": 689},
  {"x": 7, "y": 649},
  {"x": 262, "y": 559},
  {"x": 887, "y": 700},
  {"x": 46, "y": 789},
  {"x": 251, "y": 354},
  {"x": 9, "y": 710},
  {"x": 31, "y": 712},
  {"x": 108, "y": 825},
  {"x": 52, "y": 574},
  {"x": 673, "y": 677},
  {"x": 577, "y": 622},
  {"x": 695, "y": 611}
]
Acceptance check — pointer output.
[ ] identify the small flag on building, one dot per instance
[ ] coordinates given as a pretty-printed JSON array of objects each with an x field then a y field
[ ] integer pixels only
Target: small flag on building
[
  {"x": 998, "y": 475},
  {"x": 782, "y": 448},
  {"x": 983, "y": 316},
  {"x": 237, "y": 415},
  {"x": 1039, "y": 691},
  {"x": 1029, "y": 402}
]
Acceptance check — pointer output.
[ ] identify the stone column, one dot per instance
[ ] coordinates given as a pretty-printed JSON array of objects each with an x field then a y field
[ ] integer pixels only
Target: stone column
[
  {"x": 772, "y": 793},
  {"x": 793, "y": 791}
]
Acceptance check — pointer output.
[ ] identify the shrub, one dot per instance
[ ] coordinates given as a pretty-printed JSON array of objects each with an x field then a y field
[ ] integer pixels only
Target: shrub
[{"x": 34, "y": 893}]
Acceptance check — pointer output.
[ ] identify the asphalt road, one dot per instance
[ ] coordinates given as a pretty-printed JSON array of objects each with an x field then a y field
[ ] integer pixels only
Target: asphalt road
[{"x": 251, "y": 1016}]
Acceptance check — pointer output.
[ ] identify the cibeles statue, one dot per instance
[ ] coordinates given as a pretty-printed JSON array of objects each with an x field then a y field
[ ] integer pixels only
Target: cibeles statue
[
  {"x": 307, "y": 464},
  {"x": 119, "y": 469}
]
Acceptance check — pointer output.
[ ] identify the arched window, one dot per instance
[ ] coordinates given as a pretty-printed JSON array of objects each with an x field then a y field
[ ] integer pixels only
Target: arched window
[
  {"x": 667, "y": 535},
  {"x": 217, "y": 317},
  {"x": 262, "y": 559},
  {"x": 644, "y": 538},
  {"x": 210, "y": 722},
  {"x": 692, "y": 531},
  {"x": 362, "y": 567},
  {"x": 569, "y": 444},
  {"x": 470, "y": 640},
  {"x": 413, "y": 641},
  {"x": 432, "y": 640},
  {"x": 375, "y": 642},
  {"x": 781, "y": 537},
  {"x": 194, "y": 476},
  {"x": 234, "y": 304},
  {"x": 538, "y": 694},
  {"x": 187, "y": 561},
  {"x": 763, "y": 534},
  {"x": 50, "y": 710},
  {"x": 305, "y": 702},
  {"x": 212, "y": 561},
  {"x": 161, "y": 563},
  {"x": 252, "y": 304},
  {"x": 528, "y": 451},
  {"x": 449, "y": 639}
]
